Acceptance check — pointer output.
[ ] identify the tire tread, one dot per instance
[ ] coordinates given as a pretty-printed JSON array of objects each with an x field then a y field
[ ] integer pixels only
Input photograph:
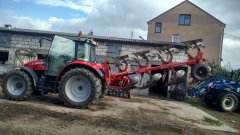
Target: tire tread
[
  {"x": 96, "y": 82},
  {"x": 23, "y": 96}
]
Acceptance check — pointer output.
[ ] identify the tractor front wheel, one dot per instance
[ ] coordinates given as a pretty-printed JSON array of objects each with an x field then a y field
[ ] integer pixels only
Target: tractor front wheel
[
  {"x": 17, "y": 85},
  {"x": 227, "y": 102},
  {"x": 79, "y": 88}
]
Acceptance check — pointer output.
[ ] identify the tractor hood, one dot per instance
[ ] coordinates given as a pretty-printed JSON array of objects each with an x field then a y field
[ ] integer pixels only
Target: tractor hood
[{"x": 36, "y": 64}]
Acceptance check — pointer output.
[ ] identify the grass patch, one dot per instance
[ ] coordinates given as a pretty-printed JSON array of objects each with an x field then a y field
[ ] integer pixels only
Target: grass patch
[
  {"x": 212, "y": 121},
  {"x": 196, "y": 103}
]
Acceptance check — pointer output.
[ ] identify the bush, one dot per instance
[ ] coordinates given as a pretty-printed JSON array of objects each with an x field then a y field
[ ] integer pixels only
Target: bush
[{"x": 217, "y": 70}]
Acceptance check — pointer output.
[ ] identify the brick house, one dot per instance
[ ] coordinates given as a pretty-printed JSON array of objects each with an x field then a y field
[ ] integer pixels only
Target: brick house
[{"x": 186, "y": 21}]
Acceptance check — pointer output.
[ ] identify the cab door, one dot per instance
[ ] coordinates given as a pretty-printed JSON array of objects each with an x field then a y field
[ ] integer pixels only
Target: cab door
[{"x": 62, "y": 51}]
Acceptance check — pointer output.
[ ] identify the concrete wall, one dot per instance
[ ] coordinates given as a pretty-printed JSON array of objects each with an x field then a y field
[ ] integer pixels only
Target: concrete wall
[
  {"x": 202, "y": 26},
  {"x": 19, "y": 41}
]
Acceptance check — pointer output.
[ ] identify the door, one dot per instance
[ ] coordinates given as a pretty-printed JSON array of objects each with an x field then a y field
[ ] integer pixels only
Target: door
[{"x": 62, "y": 51}]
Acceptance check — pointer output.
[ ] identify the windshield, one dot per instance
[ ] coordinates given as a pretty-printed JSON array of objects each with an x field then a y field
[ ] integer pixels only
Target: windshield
[
  {"x": 62, "y": 51},
  {"x": 86, "y": 52}
]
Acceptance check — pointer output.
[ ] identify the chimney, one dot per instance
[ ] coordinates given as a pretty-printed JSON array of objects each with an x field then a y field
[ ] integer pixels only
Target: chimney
[{"x": 9, "y": 26}]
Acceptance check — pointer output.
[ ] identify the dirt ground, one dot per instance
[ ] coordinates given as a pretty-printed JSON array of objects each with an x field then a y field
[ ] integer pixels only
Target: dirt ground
[
  {"x": 230, "y": 118},
  {"x": 45, "y": 115}
]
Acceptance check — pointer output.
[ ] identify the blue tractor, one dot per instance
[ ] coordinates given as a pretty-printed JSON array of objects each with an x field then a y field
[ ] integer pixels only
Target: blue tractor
[
  {"x": 224, "y": 94},
  {"x": 200, "y": 89}
]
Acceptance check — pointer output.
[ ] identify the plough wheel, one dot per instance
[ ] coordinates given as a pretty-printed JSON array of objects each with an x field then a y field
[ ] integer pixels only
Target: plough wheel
[{"x": 200, "y": 72}]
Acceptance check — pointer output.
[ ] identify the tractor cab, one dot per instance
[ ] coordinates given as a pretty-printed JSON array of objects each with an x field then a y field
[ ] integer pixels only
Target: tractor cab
[{"x": 64, "y": 50}]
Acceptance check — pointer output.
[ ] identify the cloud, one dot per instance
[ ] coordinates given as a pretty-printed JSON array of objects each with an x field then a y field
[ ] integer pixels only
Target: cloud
[
  {"x": 105, "y": 17},
  {"x": 8, "y": 17},
  {"x": 119, "y": 18},
  {"x": 231, "y": 48},
  {"x": 82, "y": 5},
  {"x": 55, "y": 19}
]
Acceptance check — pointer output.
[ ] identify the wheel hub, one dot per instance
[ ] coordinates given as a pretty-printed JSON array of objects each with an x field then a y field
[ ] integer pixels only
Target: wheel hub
[
  {"x": 201, "y": 71},
  {"x": 228, "y": 103},
  {"x": 16, "y": 85},
  {"x": 78, "y": 88}
]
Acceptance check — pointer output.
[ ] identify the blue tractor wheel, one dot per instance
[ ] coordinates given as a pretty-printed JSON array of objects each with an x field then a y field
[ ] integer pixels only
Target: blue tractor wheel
[{"x": 227, "y": 102}]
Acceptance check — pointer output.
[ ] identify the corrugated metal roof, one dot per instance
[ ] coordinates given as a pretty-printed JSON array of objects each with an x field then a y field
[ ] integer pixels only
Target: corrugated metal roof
[{"x": 96, "y": 38}]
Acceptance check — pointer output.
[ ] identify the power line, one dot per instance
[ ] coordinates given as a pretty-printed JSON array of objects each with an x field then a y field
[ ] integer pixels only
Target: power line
[{"x": 236, "y": 37}]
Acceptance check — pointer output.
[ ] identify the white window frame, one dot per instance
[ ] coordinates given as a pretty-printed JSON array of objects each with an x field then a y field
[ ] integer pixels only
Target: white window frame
[{"x": 176, "y": 38}]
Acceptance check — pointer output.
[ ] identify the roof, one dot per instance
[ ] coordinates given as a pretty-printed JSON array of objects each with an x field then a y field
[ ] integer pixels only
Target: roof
[
  {"x": 96, "y": 37},
  {"x": 191, "y": 4}
]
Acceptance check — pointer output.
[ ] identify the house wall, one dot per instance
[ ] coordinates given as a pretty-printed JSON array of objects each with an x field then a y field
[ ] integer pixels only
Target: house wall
[{"x": 202, "y": 26}]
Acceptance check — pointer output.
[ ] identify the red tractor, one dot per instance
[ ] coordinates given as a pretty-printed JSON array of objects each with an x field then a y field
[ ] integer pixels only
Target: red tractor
[{"x": 71, "y": 71}]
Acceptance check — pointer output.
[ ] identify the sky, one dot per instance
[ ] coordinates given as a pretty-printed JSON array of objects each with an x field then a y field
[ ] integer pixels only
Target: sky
[{"x": 118, "y": 18}]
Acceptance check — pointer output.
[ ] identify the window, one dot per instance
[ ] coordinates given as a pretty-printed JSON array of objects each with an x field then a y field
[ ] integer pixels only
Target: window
[
  {"x": 61, "y": 52},
  {"x": 42, "y": 56},
  {"x": 185, "y": 19},
  {"x": 93, "y": 54},
  {"x": 175, "y": 38},
  {"x": 114, "y": 50},
  {"x": 86, "y": 52},
  {"x": 5, "y": 39},
  {"x": 158, "y": 27},
  {"x": 3, "y": 57}
]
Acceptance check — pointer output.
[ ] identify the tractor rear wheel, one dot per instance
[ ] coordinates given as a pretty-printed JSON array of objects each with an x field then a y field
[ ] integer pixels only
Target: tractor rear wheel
[
  {"x": 227, "y": 102},
  {"x": 104, "y": 90},
  {"x": 17, "y": 85},
  {"x": 79, "y": 88}
]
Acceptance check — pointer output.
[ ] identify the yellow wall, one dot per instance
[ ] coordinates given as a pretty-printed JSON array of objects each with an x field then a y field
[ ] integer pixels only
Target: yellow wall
[{"x": 202, "y": 26}]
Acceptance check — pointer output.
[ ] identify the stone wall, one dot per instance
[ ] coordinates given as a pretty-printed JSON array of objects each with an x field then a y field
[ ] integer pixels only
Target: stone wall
[
  {"x": 26, "y": 41},
  {"x": 31, "y": 42},
  {"x": 21, "y": 41}
]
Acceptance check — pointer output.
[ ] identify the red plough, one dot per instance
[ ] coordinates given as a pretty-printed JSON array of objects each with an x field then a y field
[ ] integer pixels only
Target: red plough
[{"x": 121, "y": 83}]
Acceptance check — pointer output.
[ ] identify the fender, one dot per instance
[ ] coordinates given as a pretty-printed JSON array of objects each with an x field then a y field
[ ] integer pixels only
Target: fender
[
  {"x": 31, "y": 73},
  {"x": 96, "y": 68},
  {"x": 230, "y": 91}
]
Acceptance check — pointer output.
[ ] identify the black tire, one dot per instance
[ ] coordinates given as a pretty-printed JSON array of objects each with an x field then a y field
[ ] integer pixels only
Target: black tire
[
  {"x": 37, "y": 93},
  {"x": 200, "y": 72},
  {"x": 227, "y": 102},
  {"x": 69, "y": 96},
  {"x": 208, "y": 101},
  {"x": 17, "y": 85},
  {"x": 104, "y": 90}
]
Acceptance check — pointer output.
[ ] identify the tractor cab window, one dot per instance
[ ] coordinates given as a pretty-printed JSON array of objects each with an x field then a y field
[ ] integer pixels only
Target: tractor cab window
[
  {"x": 86, "y": 52},
  {"x": 62, "y": 51},
  {"x": 93, "y": 54}
]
